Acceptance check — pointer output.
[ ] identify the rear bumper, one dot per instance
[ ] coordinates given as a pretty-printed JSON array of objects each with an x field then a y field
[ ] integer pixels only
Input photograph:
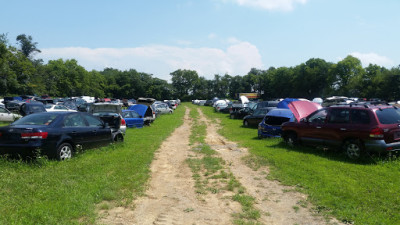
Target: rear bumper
[
  {"x": 270, "y": 131},
  {"x": 381, "y": 146}
]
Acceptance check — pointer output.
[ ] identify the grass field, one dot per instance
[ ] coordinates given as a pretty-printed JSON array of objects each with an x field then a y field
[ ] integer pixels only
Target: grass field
[
  {"x": 364, "y": 192},
  {"x": 51, "y": 192}
]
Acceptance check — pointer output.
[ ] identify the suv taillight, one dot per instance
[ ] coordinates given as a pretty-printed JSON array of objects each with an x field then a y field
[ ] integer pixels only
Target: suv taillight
[
  {"x": 123, "y": 122},
  {"x": 37, "y": 135},
  {"x": 376, "y": 133}
]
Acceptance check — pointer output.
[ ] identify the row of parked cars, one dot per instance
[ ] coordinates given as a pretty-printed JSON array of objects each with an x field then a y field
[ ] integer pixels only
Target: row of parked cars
[
  {"x": 60, "y": 132},
  {"x": 354, "y": 126}
]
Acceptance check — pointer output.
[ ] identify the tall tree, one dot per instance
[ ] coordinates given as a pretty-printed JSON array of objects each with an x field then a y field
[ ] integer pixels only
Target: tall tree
[
  {"x": 183, "y": 82},
  {"x": 27, "y": 46}
]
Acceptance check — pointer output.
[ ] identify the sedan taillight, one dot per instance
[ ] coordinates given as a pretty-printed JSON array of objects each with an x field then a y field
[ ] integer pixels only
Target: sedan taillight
[
  {"x": 376, "y": 133},
  {"x": 37, "y": 135},
  {"x": 123, "y": 122}
]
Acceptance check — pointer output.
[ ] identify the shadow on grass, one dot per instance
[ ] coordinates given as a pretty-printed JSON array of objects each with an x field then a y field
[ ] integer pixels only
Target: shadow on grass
[{"x": 331, "y": 153}]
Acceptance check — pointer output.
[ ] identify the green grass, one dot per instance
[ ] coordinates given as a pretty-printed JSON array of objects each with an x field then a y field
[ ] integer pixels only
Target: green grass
[
  {"x": 364, "y": 192},
  {"x": 51, "y": 192}
]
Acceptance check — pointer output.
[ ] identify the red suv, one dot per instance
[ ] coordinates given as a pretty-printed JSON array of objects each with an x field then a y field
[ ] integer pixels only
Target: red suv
[{"x": 358, "y": 128}]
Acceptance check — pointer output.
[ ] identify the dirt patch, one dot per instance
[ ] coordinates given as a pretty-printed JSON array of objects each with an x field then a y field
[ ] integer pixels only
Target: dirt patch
[{"x": 171, "y": 197}]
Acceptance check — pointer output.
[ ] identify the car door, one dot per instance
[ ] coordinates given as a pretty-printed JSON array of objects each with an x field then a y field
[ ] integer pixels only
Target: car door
[
  {"x": 100, "y": 135},
  {"x": 312, "y": 127},
  {"x": 75, "y": 127},
  {"x": 337, "y": 127}
]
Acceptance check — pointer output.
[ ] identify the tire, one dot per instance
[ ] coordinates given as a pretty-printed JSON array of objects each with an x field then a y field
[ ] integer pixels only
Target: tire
[
  {"x": 232, "y": 116},
  {"x": 291, "y": 139},
  {"x": 64, "y": 152},
  {"x": 245, "y": 123},
  {"x": 353, "y": 149},
  {"x": 119, "y": 138}
]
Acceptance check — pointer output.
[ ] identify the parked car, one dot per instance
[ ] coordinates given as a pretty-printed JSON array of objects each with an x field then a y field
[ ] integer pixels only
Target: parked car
[
  {"x": 208, "y": 103},
  {"x": 239, "y": 113},
  {"x": 162, "y": 108},
  {"x": 55, "y": 134},
  {"x": 256, "y": 117},
  {"x": 132, "y": 118},
  {"x": 7, "y": 116},
  {"x": 146, "y": 112},
  {"x": 264, "y": 104},
  {"x": 270, "y": 126},
  {"x": 356, "y": 128},
  {"x": 52, "y": 108},
  {"x": 112, "y": 115},
  {"x": 13, "y": 106},
  {"x": 31, "y": 107}
]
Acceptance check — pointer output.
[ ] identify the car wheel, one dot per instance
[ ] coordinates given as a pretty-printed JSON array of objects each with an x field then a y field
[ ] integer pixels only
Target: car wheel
[
  {"x": 64, "y": 152},
  {"x": 232, "y": 116},
  {"x": 119, "y": 138},
  {"x": 245, "y": 123},
  {"x": 291, "y": 139},
  {"x": 353, "y": 149}
]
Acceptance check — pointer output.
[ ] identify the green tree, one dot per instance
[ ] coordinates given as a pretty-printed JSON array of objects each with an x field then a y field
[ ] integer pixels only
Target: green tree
[
  {"x": 183, "y": 82},
  {"x": 27, "y": 46}
]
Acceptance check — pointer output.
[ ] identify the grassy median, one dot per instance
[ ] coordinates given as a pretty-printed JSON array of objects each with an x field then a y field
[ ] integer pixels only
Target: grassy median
[
  {"x": 362, "y": 192},
  {"x": 50, "y": 192}
]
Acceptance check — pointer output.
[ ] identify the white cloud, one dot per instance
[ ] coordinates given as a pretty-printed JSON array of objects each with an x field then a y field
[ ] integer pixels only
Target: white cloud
[
  {"x": 279, "y": 5},
  {"x": 373, "y": 58},
  {"x": 161, "y": 60}
]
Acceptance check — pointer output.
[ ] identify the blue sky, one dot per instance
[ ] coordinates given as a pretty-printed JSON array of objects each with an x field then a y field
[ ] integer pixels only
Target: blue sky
[{"x": 209, "y": 36}]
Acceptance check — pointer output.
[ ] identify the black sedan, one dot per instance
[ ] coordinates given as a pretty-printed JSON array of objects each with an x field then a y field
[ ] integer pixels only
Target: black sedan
[
  {"x": 256, "y": 117},
  {"x": 55, "y": 134}
]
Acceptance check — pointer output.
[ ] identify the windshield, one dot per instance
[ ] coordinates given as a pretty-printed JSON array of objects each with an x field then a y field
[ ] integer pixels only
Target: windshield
[
  {"x": 36, "y": 119},
  {"x": 388, "y": 116}
]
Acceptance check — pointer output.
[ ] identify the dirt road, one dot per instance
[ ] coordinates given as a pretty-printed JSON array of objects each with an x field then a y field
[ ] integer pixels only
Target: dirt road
[{"x": 173, "y": 199}]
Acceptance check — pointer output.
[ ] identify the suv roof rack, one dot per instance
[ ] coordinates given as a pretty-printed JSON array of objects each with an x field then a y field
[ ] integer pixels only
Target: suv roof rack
[{"x": 361, "y": 104}]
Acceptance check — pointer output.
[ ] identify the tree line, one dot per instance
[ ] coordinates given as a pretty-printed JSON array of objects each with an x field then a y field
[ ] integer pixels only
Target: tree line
[{"x": 22, "y": 74}]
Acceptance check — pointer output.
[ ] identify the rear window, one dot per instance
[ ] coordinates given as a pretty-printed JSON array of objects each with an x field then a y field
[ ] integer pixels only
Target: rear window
[
  {"x": 388, "y": 116},
  {"x": 36, "y": 119}
]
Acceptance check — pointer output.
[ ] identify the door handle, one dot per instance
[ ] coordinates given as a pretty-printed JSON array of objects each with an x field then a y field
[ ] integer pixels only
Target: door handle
[
  {"x": 318, "y": 127},
  {"x": 343, "y": 129}
]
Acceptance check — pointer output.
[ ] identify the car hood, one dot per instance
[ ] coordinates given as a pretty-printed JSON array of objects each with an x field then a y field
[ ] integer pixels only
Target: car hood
[
  {"x": 105, "y": 108},
  {"x": 139, "y": 108},
  {"x": 145, "y": 101},
  {"x": 301, "y": 109},
  {"x": 285, "y": 102}
]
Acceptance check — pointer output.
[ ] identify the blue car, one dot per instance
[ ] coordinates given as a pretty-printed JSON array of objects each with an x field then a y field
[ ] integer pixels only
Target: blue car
[
  {"x": 270, "y": 126},
  {"x": 132, "y": 118}
]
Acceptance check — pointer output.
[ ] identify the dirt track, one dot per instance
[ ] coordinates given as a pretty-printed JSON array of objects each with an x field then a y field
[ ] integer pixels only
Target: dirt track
[{"x": 172, "y": 199}]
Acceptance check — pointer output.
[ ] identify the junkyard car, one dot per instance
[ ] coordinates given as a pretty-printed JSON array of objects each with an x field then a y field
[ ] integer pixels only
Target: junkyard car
[
  {"x": 55, "y": 134},
  {"x": 256, "y": 117},
  {"x": 162, "y": 108},
  {"x": 356, "y": 128},
  {"x": 132, "y": 118},
  {"x": 32, "y": 107},
  {"x": 52, "y": 108},
  {"x": 7, "y": 116},
  {"x": 272, "y": 122},
  {"x": 112, "y": 115}
]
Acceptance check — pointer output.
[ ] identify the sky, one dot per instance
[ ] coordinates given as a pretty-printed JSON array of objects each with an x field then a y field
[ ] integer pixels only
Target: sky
[{"x": 209, "y": 36}]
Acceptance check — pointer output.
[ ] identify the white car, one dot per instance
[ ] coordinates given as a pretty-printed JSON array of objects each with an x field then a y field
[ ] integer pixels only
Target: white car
[
  {"x": 7, "y": 116},
  {"x": 55, "y": 108}
]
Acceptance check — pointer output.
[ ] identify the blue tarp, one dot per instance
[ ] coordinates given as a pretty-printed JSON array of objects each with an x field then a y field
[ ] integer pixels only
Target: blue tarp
[{"x": 284, "y": 103}]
